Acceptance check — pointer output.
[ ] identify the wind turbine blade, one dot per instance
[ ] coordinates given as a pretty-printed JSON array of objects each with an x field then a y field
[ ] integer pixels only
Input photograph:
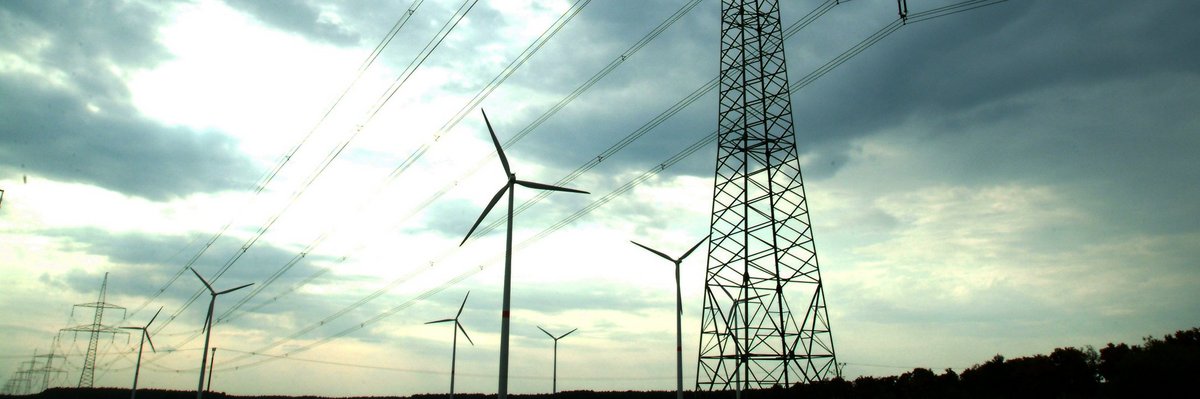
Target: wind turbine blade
[
  {"x": 234, "y": 289},
  {"x": 202, "y": 280},
  {"x": 689, "y": 252},
  {"x": 653, "y": 250},
  {"x": 150, "y": 341},
  {"x": 499, "y": 151},
  {"x": 485, "y": 212},
  {"x": 460, "y": 307},
  {"x": 568, "y": 333},
  {"x": 547, "y": 333},
  {"x": 460, "y": 328},
  {"x": 130, "y": 328},
  {"x": 155, "y": 317},
  {"x": 440, "y": 321},
  {"x": 541, "y": 186}
]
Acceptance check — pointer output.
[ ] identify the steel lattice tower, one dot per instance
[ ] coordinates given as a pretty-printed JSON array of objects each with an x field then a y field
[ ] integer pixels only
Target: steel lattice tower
[
  {"x": 94, "y": 330},
  {"x": 761, "y": 251}
]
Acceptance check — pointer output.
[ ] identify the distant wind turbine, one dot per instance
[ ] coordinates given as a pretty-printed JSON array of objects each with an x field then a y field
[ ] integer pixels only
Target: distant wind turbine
[
  {"x": 454, "y": 346},
  {"x": 554, "y": 384},
  {"x": 208, "y": 326},
  {"x": 145, "y": 337},
  {"x": 502, "y": 392},
  {"x": 678, "y": 314}
]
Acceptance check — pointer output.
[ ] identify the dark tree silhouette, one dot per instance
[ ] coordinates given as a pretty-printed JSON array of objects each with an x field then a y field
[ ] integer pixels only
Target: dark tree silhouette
[{"x": 1156, "y": 368}]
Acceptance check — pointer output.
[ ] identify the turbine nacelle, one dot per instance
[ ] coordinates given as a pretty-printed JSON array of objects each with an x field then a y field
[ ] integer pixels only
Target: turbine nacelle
[
  {"x": 213, "y": 294},
  {"x": 552, "y": 335},
  {"x": 145, "y": 329},
  {"x": 512, "y": 180},
  {"x": 457, "y": 325},
  {"x": 679, "y": 306}
]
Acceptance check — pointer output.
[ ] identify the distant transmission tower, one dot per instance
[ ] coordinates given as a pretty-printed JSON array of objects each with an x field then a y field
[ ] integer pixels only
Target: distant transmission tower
[
  {"x": 48, "y": 366},
  {"x": 761, "y": 250},
  {"x": 94, "y": 329}
]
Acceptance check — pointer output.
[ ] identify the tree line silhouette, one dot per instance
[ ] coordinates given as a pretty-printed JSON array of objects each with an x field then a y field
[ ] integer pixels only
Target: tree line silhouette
[{"x": 1157, "y": 368}]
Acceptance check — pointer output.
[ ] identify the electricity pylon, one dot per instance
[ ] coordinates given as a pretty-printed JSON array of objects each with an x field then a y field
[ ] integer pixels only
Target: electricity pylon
[
  {"x": 761, "y": 249},
  {"x": 48, "y": 366},
  {"x": 94, "y": 330}
]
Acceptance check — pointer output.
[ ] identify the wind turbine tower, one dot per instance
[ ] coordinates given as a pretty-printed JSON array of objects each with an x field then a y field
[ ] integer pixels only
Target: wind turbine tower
[
  {"x": 554, "y": 379},
  {"x": 208, "y": 325},
  {"x": 145, "y": 337},
  {"x": 761, "y": 252},
  {"x": 454, "y": 345},
  {"x": 502, "y": 390},
  {"x": 678, "y": 314}
]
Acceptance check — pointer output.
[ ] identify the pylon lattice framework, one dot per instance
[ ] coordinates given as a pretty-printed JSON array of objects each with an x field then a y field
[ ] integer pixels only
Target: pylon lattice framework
[
  {"x": 761, "y": 249},
  {"x": 87, "y": 377}
]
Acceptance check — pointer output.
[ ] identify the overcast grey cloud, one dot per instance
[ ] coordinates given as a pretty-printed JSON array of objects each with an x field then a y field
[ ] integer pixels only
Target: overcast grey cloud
[
  {"x": 300, "y": 16},
  {"x": 998, "y": 65},
  {"x": 1004, "y": 180},
  {"x": 52, "y": 132},
  {"x": 150, "y": 260},
  {"x": 69, "y": 115}
]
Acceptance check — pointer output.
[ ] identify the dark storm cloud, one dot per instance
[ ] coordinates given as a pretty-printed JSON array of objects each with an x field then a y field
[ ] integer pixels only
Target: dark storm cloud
[
  {"x": 945, "y": 70},
  {"x": 952, "y": 65},
  {"x": 1091, "y": 99},
  {"x": 300, "y": 16},
  {"x": 645, "y": 84},
  {"x": 73, "y": 121}
]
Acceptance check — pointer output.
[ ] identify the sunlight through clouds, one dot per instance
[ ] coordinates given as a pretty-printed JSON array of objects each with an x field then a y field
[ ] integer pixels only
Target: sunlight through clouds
[{"x": 978, "y": 184}]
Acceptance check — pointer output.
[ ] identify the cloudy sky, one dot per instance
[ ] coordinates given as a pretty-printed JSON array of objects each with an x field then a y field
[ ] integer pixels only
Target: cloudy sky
[{"x": 1008, "y": 179}]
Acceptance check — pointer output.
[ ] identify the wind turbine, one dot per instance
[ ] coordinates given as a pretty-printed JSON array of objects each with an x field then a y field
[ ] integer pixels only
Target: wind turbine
[
  {"x": 208, "y": 326},
  {"x": 454, "y": 347},
  {"x": 502, "y": 392},
  {"x": 145, "y": 337},
  {"x": 678, "y": 314},
  {"x": 554, "y": 385}
]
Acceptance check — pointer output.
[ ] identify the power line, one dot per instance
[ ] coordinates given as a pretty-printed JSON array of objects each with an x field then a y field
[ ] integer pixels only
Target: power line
[
  {"x": 703, "y": 142},
  {"x": 396, "y": 369},
  {"x": 286, "y": 157},
  {"x": 508, "y": 71},
  {"x": 805, "y": 21},
  {"x": 413, "y": 65},
  {"x": 549, "y": 33},
  {"x": 512, "y": 67},
  {"x": 336, "y": 151},
  {"x": 604, "y": 72}
]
